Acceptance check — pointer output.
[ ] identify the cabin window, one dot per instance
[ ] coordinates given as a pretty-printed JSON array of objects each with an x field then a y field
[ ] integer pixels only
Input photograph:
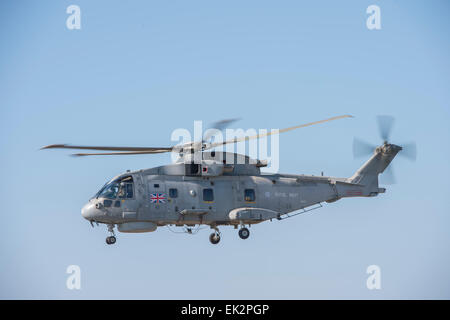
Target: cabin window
[
  {"x": 249, "y": 195},
  {"x": 173, "y": 193},
  {"x": 208, "y": 195},
  {"x": 117, "y": 204},
  {"x": 126, "y": 188},
  {"x": 129, "y": 191},
  {"x": 107, "y": 203}
]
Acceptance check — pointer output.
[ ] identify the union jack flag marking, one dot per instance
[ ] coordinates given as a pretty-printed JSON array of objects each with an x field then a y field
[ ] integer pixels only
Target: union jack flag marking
[{"x": 158, "y": 198}]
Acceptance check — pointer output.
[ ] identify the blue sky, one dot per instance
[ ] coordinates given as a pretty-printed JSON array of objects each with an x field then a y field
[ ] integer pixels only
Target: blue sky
[{"x": 136, "y": 71}]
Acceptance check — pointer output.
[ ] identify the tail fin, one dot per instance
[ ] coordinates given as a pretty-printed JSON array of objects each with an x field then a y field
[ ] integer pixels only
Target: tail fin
[{"x": 367, "y": 175}]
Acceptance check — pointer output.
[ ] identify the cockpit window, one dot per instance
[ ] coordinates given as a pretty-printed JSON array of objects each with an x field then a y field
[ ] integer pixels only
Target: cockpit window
[
  {"x": 121, "y": 188},
  {"x": 109, "y": 191},
  {"x": 98, "y": 192}
]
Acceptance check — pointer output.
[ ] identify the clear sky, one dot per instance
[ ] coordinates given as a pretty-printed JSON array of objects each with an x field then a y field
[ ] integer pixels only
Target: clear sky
[{"x": 137, "y": 70}]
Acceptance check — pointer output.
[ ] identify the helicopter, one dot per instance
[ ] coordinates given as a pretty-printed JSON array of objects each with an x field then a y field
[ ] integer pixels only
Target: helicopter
[{"x": 209, "y": 188}]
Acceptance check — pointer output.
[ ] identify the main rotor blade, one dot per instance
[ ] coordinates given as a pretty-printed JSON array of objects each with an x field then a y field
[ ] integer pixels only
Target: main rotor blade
[
  {"x": 362, "y": 148},
  {"x": 68, "y": 146},
  {"x": 118, "y": 153},
  {"x": 385, "y": 124},
  {"x": 219, "y": 125},
  {"x": 246, "y": 138},
  {"x": 409, "y": 151},
  {"x": 388, "y": 176},
  {"x": 222, "y": 124}
]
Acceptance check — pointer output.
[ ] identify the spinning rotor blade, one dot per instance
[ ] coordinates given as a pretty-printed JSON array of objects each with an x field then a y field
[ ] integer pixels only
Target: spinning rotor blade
[
  {"x": 118, "y": 153},
  {"x": 385, "y": 124},
  {"x": 388, "y": 176},
  {"x": 246, "y": 138},
  {"x": 151, "y": 150},
  {"x": 67, "y": 146},
  {"x": 362, "y": 148},
  {"x": 219, "y": 125},
  {"x": 222, "y": 124},
  {"x": 409, "y": 151}
]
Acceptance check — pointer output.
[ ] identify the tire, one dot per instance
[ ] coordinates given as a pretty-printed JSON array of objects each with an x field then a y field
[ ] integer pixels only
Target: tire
[
  {"x": 214, "y": 238},
  {"x": 110, "y": 240},
  {"x": 244, "y": 233}
]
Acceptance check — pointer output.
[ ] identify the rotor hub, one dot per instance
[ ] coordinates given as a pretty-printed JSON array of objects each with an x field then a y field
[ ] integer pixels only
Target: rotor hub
[{"x": 388, "y": 148}]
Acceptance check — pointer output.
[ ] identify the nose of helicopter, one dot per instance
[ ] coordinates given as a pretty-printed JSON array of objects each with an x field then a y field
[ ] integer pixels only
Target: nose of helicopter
[{"x": 89, "y": 211}]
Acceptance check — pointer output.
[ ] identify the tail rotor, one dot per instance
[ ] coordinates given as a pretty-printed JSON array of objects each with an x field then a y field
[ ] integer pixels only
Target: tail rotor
[{"x": 385, "y": 125}]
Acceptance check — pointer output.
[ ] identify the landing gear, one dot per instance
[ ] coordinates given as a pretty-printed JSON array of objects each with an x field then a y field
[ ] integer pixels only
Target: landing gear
[
  {"x": 214, "y": 237},
  {"x": 112, "y": 238},
  {"x": 244, "y": 233}
]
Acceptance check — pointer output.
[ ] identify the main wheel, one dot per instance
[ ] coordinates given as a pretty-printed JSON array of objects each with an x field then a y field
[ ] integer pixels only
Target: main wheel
[
  {"x": 214, "y": 238},
  {"x": 111, "y": 240},
  {"x": 244, "y": 233}
]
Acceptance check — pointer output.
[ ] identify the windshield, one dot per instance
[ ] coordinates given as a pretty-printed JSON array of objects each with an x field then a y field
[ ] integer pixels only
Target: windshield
[
  {"x": 122, "y": 188},
  {"x": 98, "y": 192},
  {"x": 109, "y": 191}
]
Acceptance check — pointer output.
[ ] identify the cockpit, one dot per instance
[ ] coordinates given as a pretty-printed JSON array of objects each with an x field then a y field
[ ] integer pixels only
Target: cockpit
[{"x": 121, "y": 188}]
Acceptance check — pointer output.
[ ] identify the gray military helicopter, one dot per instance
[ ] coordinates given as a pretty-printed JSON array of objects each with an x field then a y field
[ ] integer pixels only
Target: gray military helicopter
[{"x": 220, "y": 188}]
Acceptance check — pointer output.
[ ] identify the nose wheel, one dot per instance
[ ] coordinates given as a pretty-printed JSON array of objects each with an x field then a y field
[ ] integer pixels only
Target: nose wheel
[
  {"x": 214, "y": 238},
  {"x": 244, "y": 233},
  {"x": 112, "y": 238}
]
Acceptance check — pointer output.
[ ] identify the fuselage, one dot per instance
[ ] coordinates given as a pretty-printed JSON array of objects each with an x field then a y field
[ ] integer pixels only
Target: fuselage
[
  {"x": 207, "y": 193},
  {"x": 215, "y": 192}
]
